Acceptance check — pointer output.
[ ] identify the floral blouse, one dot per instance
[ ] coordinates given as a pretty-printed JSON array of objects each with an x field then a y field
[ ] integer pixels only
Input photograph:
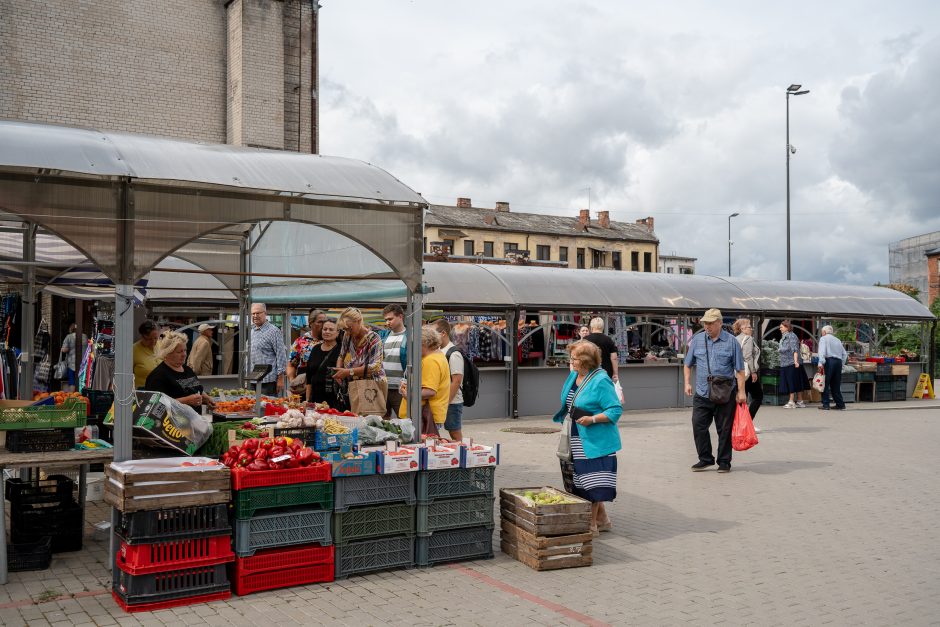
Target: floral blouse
[
  {"x": 368, "y": 353},
  {"x": 789, "y": 344}
]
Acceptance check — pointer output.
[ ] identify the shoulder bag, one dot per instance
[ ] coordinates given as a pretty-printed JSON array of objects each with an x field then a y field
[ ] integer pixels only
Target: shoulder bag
[
  {"x": 564, "y": 442},
  {"x": 719, "y": 387}
]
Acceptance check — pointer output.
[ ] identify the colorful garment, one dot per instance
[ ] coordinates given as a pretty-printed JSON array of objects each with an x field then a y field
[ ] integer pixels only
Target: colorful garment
[
  {"x": 300, "y": 350},
  {"x": 367, "y": 353}
]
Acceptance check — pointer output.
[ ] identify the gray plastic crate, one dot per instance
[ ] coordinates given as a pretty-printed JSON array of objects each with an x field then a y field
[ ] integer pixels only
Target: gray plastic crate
[
  {"x": 285, "y": 528},
  {"x": 368, "y": 556},
  {"x": 371, "y": 489},
  {"x": 360, "y": 523},
  {"x": 475, "y": 511},
  {"x": 455, "y": 483},
  {"x": 454, "y": 545}
]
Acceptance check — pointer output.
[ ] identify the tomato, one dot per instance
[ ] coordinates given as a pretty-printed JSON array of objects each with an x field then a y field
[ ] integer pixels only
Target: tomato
[{"x": 251, "y": 444}]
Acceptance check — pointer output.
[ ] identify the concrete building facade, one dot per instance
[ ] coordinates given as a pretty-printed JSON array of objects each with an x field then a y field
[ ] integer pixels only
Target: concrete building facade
[
  {"x": 907, "y": 262},
  {"x": 241, "y": 72},
  {"x": 674, "y": 264}
]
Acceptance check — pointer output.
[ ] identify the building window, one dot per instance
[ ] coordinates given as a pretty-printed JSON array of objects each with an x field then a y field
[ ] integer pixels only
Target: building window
[
  {"x": 543, "y": 253},
  {"x": 668, "y": 269},
  {"x": 580, "y": 255},
  {"x": 635, "y": 261},
  {"x": 425, "y": 249},
  {"x": 563, "y": 253},
  {"x": 647, "y": 262},
  {"x": 616, "y": 260},
  {"x": 686, "y": 271},
  {"x": 510, "y": 247},
  {"x": 450, "y": 246},
  {"x": 468, "y": 247},
  {"x": 487, "y": 249},
  {"x": 599, "y": 258}
]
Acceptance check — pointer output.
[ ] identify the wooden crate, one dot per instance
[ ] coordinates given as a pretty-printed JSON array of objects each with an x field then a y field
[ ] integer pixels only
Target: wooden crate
[
  {"x": 545, "y": 520},
  {"x": 900, "y": 370},
  {"x": 546, "y": 552},
  {"x": 865, "y": 366},
  {"x": 138, "y": 491}
]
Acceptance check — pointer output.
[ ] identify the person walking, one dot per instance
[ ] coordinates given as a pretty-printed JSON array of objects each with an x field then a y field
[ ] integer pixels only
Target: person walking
[
  {"x": 70, "y": 348},
  {"x": 719, "y": 373},
  {"x": 267, "y": 347},
  {"x": 454, "y": 421},
  {"x": 200, "y": 358},
  {"x": 832, "y": 356},
  {"x": 744, "y": 333},
  {"x": 792, "y": 376},
  {"x": 395, "y": 354},
  {"x": 598, "y": 337}
]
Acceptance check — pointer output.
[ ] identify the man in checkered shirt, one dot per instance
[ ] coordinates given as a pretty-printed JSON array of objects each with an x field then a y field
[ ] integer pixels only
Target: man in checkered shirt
[{"x": 267, "y": 347}]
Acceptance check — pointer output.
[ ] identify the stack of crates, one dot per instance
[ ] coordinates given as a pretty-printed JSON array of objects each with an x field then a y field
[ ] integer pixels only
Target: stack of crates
[
  {"x": 455, "y": 515},
  {"x": 848, "y": 386},
  {"x": 884, "y": 386},
  {"x": 43, "y": 509},
  {"x": 282, "y": 532},
  {"x": 172, "y": 557},
  {"x": 899, "y": 388},
  {"x": 770, "y": 385}
]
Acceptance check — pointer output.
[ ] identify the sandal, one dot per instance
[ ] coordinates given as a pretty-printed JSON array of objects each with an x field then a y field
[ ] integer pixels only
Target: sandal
[
  {"x": 605, "y": 525},
  {"x": 594, "y": 531}
]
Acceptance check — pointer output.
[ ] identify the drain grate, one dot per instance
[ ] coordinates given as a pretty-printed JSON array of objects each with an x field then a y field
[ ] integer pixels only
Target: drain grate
[{"x": 531, "y": 430}]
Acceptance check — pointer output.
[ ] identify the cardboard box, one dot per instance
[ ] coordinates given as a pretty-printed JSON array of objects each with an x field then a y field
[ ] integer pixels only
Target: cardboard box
[
  {"x": 405, "y": 459},
  {"x": 352, "y": 467},
  {"x": 478, "y": 455},
  {"x": 441, "y": 457}
]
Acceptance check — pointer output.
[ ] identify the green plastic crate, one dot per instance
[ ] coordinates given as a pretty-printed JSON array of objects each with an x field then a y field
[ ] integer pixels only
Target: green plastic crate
[
  {"x": 770, "y": 379},
  {"x": 69, "y": 414},
  {"x": 443, "y": 514},
  {"x": 315, "y": 494},
  {"x": 361, "y": 523}
]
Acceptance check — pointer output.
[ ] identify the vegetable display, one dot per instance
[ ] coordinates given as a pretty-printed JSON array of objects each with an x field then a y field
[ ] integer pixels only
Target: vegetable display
[{"x": 258, "y": 454}]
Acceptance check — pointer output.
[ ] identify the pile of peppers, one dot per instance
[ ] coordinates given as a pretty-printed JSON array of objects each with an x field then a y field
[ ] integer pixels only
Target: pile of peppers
[{"x": 256, "y": 454}]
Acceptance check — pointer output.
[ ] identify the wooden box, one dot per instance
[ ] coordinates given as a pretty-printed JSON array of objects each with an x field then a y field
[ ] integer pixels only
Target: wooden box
[
  {"x": 155, "y": 488},
  {"x": 865, "y": 366},
  {"x": 900, "y": 370},
  {"x": 546, "y": 552},
  {"x": 571, "y": 517}
]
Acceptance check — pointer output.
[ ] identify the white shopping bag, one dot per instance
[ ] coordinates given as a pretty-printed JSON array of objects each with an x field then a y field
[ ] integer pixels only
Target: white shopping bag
[
  {"x": 619, "y": 390},
  {"x": 819, "y": 382}
]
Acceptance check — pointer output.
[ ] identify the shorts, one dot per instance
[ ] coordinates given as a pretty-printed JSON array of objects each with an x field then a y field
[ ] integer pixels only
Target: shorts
[
  {"x": 454, "y": 417},
  {"x": 71, "y": 377}
]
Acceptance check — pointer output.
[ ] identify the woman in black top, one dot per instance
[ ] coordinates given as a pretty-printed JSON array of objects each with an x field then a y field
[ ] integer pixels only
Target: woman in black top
[
  {"x": 173, "y": 377},
  {"x": 320, "y": 384}
]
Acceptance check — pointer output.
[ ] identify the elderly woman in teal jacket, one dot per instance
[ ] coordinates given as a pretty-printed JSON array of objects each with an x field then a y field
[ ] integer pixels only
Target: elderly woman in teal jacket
[{"x": 589, "y": 470}]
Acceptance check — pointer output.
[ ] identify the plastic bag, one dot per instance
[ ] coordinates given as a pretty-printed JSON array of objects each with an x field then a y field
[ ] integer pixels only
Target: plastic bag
[
  {"x": 743, "y": 435},
  {"x": 619, "y": 389},
  {"x": 819, "y": 382}
]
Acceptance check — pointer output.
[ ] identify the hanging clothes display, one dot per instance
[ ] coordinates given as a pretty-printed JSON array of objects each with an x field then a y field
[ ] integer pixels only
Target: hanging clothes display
[{"x": 42, "y": 360}]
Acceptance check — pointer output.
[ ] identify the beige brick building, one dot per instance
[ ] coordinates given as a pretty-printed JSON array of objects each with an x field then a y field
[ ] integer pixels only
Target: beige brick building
[
  {"x": 241, "y": 72},
  {"x": 468, "y": 234}
]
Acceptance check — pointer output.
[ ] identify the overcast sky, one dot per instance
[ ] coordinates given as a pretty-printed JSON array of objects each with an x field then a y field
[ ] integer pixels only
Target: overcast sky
[{"x": 675, "y": 111}]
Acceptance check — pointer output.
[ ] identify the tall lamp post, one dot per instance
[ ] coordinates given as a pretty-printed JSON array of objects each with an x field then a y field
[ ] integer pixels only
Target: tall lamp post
[
  {"x": 733, "y": 215},
  {"x": 792, "y": 90}
]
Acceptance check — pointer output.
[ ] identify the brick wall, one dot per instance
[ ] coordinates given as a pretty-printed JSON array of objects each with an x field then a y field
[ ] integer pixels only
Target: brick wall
[{"x": 933, "y": 278}]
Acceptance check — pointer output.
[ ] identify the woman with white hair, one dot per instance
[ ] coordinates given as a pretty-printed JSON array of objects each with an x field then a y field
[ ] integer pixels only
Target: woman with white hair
[
  {"x": 435, "y": 384},
  {"x": 831, "y": 357},
  {"x": 173, "y": 377}
]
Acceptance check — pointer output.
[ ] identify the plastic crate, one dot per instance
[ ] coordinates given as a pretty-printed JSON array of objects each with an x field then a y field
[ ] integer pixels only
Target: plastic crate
[
  {"x": 29, "y": 555},
  {"x": 770, "y": 372},
  {"x": 884, "y": 386},
  {"x": 360, "y": 523},
  {"x": 343, "y": 442},
  {"x": 247, "y": 502},
  {"x": 185, "y": 585},
  {"x": 99, "y": 402},
  {"x": 244, "y": 479},
  {"x": 70, "y": 414},
  {"x": 881, "y": 397},
  {"x": 285, "y": 528},
  {"x": 176, "y": 523},
  {"x": 304, "y": 434},
  {"x": 866, "y": 376},
  {"x": 65, "y": 524},
  {"x": 455, "y": 482},
  {"x": 198, "y": 599},
  {"x": 40, "y": 440},
  {"x": 770, "y": 379},
  {"x": 899, "y": 383},
  {"x": 882, "y": 370},
  {"x": 899, "y": 395},
  {"x": 476, "y": 511},
  {"x": 454, "y": 545},
  {"x": 775, "y": 400},
  {"x": 374, "y": 489},
  {"x": 770, "y": 389},
  {"x": 283, "y": 568},
  {"x": 53, "y": 489},
  {"x": 848, "y": 397},
  {"x": 142, "y": 559},
  {"x": 849, "y": 377},
  {"x": 368, "y": 556}
]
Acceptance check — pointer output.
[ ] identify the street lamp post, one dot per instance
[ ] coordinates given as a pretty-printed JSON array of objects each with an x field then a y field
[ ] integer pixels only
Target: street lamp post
[
  {"x": 792, "y": 90},
  {"x": 733, "y": 215}
]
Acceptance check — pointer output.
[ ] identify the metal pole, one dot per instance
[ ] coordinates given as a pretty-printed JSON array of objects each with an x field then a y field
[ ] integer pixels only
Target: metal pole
[
  {"x": 729, "y": 246},
  {"x": 512, "y": 372},
  {"x": 243, "y": 313},
  {"x": 788, "y": 186},
  {"x": 28, "y": 330},
  {"x": 413, "y": 369}
]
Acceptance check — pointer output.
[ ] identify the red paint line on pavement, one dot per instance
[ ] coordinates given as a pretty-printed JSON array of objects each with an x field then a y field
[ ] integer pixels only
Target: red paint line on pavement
[
  {"x": 64, "y": 597},
  {"x": 555, "y": 607}
]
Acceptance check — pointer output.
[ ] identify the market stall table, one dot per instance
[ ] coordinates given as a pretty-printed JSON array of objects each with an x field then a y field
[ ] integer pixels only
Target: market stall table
[{"x": 60, "y": 459}]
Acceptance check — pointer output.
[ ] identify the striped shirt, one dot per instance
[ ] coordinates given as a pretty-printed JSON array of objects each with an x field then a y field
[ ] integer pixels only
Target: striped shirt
[
  {"x": 391, "y": 359},
  {"x": 267, "y": 347}
]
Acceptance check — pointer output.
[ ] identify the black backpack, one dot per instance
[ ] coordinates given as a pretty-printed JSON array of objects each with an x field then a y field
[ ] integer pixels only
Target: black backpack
[{"x": 470, "y": 386}]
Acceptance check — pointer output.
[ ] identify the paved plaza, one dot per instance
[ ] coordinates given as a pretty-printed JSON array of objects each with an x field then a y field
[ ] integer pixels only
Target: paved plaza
[{"x": 832, "y": 519}]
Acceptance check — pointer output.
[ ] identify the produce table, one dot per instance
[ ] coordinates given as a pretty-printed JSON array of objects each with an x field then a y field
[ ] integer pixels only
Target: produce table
[{"x": 60, "y": 459}]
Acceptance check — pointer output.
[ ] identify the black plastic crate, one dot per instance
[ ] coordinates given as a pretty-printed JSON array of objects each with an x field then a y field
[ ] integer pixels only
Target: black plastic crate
[
  {"x": 29, "y": 555},
  {"x": 455, "y": 482},
  {"x": 883, "y": 369},
  {"x": 849, "y": 377},
  {"x": 176, "y": 523},
  {"x": 40, "y": 440},
  {"x": 899, "y": 395},
  {"x": 899, "y": 383},
  {"x": 454, "y": 545},
  {"x": 65, "y": 524},
  {"x": 770, "y": 388},
  {"x": 99, "y": 401},
  {"x": 883, "y": 386},
  {"x": 55, "y": 489},
  {"x": 881, "y": 397},
  {"x": 368, "y": 556},
  {"x": 174, "y": 584}
]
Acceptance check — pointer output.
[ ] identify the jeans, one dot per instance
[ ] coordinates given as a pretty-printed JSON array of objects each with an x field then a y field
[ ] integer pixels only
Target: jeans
[
  {"x": 833, "y": 372},
  {"x": 703, "y": 413},
  {"x": 454, "y": 417},
  {"x": 756, "y": 391}
]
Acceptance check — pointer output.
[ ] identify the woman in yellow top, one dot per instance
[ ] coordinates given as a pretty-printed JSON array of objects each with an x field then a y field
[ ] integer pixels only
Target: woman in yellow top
[{"x": 435, "y": 383}]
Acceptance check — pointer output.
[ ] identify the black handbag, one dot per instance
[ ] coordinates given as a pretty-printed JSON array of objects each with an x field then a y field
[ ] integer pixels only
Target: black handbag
[{"x": 719, "y": 387}]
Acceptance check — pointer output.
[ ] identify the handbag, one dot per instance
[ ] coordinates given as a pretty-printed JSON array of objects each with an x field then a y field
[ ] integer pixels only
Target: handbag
[
  {"x": 61, "y": 371},
  {"x": 819, "y": 382},
  {"x": 367, "y": 397},
  {"x": 719, "y": 386},
  {"x": 564, "y": 442},
  {"x": 743, "y": 435}
]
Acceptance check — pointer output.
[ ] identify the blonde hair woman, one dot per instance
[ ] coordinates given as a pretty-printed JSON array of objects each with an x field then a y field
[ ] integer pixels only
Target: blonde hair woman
[
  {"x": 172, "y": 376},
  {"x": 435, "y": 384},
  {"x": 360, "y": 353}
]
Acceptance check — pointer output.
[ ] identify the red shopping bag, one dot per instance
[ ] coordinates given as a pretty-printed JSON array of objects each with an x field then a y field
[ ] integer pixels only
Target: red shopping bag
[{"x": 743, "y": 435}]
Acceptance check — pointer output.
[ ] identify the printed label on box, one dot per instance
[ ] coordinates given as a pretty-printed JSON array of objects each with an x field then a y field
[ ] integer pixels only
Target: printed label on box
[
  {"x": 403, "y": 460},
  {"x": 440, "y": 457},
  {"x": 479, "y": 455}
]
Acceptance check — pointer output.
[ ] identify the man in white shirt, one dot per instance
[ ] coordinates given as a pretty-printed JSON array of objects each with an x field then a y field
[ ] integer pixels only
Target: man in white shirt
[
  {"x": 395, "y": 355},
  {"x": 831, "y": 357},
  {"x": 454, "y": 420}
]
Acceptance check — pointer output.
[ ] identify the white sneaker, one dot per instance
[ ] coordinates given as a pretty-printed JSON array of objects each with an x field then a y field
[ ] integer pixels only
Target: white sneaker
[
  {"x": 800, "y": 404},
  {"x": 756, "y": 429},
  {"x": 790, "y": 405}
]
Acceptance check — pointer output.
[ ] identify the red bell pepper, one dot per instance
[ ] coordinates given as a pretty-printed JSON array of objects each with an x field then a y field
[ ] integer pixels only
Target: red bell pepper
[
  {"x": 251, "y": 444},
  {"x": 261, "y": 454}
]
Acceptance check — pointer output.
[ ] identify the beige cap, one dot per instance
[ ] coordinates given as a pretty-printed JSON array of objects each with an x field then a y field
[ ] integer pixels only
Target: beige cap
[
  {"x": 711, "y": 315},
  {"x": 203, "y": 327}
]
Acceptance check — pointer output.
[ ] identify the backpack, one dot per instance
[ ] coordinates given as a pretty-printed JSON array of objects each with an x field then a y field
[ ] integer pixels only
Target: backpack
[{"x": 470, "y": 386}]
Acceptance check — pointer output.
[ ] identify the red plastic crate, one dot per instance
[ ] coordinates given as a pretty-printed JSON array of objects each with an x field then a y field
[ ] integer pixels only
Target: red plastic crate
[
  {"x": 244, "y": 479},
  {"x": 140, "y": 559},
  {"x": 283, "y": 567},
  {"x": 162, "y": 605}
]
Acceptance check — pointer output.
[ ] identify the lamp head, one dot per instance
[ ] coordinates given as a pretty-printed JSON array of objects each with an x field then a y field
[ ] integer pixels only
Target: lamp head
[
  {"x": 793, "y": 88},
  {"x": 800, "y": 93},
  {"x": 734, "y": 215}
]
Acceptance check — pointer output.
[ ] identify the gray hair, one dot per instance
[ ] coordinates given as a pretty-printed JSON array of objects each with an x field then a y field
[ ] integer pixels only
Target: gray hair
[
  {"x": 597, "y": 324},
  {"x": 430, "y": 338},
  {"x": 264, "y": 307},
  {"x": 827, "y": 329}
]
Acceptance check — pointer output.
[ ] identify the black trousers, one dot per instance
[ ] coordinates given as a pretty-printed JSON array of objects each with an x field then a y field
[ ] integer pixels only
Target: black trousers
[
  {"x": 703, "y": 413},
  {"x": 833, "y": 372},
  {"x": 756, "y": 391}
]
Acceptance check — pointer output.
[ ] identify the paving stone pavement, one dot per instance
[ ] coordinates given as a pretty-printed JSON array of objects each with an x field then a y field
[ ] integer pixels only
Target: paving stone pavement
[{"x": 832, "y": 520}]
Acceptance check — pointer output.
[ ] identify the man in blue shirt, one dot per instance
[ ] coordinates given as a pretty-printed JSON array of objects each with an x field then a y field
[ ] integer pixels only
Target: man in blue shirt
[
  {"x": 831, "y": 357},
  {"x": 713, "y": 351}
]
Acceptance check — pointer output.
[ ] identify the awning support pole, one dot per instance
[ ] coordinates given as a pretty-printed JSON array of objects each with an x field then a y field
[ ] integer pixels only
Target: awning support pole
[
  {"x": 413, "y": 320},
  {"x": 512, "y": 334},
  {"x": 244, "y": 297},
  {"x": 28, "y": 330}
]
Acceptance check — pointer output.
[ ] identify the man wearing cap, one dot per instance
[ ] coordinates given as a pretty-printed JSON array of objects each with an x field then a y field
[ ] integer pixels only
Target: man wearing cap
[
  {"x": 200, "y": 357},
  {"x": 713, "y": 351}
]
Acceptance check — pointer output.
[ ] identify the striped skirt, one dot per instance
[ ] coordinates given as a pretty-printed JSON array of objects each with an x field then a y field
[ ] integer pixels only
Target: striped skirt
[{"x": 591, "y": 479}]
